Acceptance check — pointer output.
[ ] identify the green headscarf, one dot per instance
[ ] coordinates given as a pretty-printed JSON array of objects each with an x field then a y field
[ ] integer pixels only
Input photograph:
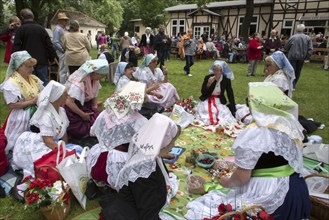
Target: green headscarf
[
  {"x": 271, "y": 108},
  {"x": 147, "y": 60}
]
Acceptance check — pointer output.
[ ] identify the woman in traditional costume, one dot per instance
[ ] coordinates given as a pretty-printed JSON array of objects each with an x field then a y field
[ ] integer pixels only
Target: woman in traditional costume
[
  {"x": 268, "y": 155},
  {"x": 123, "y": 74},
  {"x": 160, "y": 90},
  {"x": 143, "y": 179},
  {"x": 279, "y": 71},
  {"x": 114, "y": 128},
  {"x": 81, "y": 105},
  {"x": 51, "y": 122},
  {"x": 213, "y": 108},
  {"x": 20, "y": 90}
]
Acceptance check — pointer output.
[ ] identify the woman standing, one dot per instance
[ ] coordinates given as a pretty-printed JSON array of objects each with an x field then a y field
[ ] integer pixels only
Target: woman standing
[
  {"x": 20, "y": 90},
  {"x": 254, "y": 53},
  {"x": 160, "y": 91},
  {"x": 147, "y": 42},
  {"x": 81, "y": 105},
  {"x": 76, "y": 46}
]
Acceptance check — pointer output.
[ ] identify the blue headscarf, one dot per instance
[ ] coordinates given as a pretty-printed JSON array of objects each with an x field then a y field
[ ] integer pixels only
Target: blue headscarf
[
  {"x": 120, "y": 70},
  {"x": 147, "y": 60},
  {"x": 283, "y": 63},
  {"x": 99, "y": 66},
  {"x": 226, "y": 70}
]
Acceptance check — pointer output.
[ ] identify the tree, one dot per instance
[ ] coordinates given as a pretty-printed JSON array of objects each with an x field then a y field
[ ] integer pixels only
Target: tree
[
  {"x": 152, "y": 12},
  {"x": 247, "y": 20}
]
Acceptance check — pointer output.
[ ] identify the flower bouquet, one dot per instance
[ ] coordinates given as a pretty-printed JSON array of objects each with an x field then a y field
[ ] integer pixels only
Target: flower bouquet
[
  {"x": 226, "y": 212},
  {"x": 52, "y": 199},
  {"x": 188, "y": 105}
]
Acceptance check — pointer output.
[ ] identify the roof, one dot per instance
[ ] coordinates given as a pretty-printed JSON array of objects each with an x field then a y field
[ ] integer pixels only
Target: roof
[
  {"x": 190, "y": 7},
  {"x": 205, "y": 10},
  {"x": 83, "y": 19}
]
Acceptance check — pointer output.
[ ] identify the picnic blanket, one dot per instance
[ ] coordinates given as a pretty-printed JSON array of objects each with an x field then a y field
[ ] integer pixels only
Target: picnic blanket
[{"x": 200, "y": 140}]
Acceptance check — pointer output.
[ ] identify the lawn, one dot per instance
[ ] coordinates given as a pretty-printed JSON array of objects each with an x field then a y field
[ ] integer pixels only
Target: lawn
[{"x": 311, "y": 94}]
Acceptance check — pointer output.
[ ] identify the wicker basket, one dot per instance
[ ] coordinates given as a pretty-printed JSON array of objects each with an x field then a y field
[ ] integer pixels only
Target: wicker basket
[
  {"x": 240, "y": 213},
  {"x": 319, "y": 207},
  {"x": 57, "y": 212}
]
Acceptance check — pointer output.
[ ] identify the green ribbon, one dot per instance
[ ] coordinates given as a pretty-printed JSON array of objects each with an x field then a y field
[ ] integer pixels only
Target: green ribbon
[
  {"x": 281, "y": 171},
  {"x": 210, "y": 186},
  {"x": 33, "y": 109}
]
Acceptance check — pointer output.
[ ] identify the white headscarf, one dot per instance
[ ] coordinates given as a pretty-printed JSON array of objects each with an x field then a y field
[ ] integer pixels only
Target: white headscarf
[
  {"x": 283, "y": 63},
  {"x": 17, "y": 59},
  {"x": 52, "y": 92},
  {"x": 226, "y": 70},
  {"x": 145, "y": 147},
  {"x": 120, "y": 70}
]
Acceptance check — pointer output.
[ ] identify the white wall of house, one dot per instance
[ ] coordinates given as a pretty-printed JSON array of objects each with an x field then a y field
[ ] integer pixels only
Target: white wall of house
[{"x": 85, "y": 30}]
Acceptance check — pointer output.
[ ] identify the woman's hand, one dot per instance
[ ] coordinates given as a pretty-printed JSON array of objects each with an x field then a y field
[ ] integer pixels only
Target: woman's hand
[
  {"x": 224, "y": 181},
  {"x": 154, "y": 86},
  {"x": 34, "y": 100},
  {"x": 86, "y": 116},
  {"x": 211, "y": 80},
  {"x": 159, "y": 96}
]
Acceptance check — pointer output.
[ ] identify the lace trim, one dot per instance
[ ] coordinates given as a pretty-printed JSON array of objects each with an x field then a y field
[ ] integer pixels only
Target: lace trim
[
  {"x": 267, "y": 192},
  {"x": 143, "y": 169},
  {"x": 252, "y": 142}
]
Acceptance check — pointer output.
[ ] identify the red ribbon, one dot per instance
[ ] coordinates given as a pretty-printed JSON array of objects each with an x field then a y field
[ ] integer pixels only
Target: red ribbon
[{"x": 211, "y": 101}]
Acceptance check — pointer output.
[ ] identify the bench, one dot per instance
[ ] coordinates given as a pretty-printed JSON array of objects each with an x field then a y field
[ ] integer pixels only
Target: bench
[{"x": 318, "y": 54}]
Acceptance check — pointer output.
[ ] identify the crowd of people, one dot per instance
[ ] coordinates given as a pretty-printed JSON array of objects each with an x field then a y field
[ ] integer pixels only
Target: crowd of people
[{"x": 132, "y": 134}]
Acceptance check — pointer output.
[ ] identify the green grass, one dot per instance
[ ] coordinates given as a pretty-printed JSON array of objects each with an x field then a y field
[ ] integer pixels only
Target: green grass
[{"x": 311, "y": 95}]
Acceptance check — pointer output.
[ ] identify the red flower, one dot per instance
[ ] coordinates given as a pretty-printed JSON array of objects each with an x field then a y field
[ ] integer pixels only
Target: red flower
[
  {"x": 221, "y": 209},
  {"x": 263, "y": 215},
  {"x": 236, "y": 217},
  {"x": 217, "y": 147},
  {"x": 228, "y": 207},
  {"x": 27, "y": 178},
  {"x": 67, "y": 198},
  {"x": 215, "y": 217},
  {"x": 201, "y": 150},
  {"x": 34, "y": 197}
]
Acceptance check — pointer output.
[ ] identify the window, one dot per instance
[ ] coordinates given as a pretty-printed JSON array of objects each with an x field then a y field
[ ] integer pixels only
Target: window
[
  {"x": 288, "y": 23},
  {"x": 199, "y": 30},
  {"x": 136, "y": 29},
  {"x": 287, "y": 27},
  {"x": 253, "y": 25},
  {"x": 178, "y": 26}
]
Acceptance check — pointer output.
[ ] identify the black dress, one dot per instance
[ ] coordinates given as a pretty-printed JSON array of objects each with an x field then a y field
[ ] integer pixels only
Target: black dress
[{"x": 142, "y": 199}]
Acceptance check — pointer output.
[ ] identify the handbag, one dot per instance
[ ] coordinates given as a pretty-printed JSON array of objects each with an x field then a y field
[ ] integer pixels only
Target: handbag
[
  {"x": 74, "y": 171},
  {"x": 3, "y": 158},
  {"x": 51, "y": 159}
]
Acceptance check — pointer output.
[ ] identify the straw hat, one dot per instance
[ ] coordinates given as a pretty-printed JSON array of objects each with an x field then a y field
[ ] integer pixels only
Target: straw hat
[{"x": 62, "y": 16}]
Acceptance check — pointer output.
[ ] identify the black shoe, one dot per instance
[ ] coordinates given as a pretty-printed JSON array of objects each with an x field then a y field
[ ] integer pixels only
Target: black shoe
[{"x": 15, "y": 193}]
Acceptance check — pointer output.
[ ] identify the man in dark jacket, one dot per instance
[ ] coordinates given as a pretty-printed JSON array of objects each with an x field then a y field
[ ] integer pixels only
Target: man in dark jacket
[
  {"x": 34, "y": 38},
  {"x": 273, "y": 43},
  {"x": 160, "y": 45},
  {"x": 299, "y": 48}
]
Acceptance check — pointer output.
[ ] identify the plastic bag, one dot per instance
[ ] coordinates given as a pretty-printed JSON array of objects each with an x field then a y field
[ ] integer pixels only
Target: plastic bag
[
  {"x": 317, "y": 152},
  {"x": 181, "y": 117}
]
